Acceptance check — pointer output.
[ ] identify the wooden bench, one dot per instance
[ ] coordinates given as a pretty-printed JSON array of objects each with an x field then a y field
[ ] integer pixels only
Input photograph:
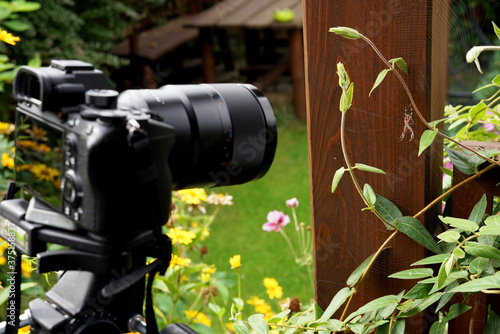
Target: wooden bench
[
  {"x": 154, "y": 43},
  {"x": 146, "y": 44}
]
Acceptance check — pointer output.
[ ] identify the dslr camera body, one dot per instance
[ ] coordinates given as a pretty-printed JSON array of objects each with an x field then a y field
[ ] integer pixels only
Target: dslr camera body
[{"x": 101, "y": 166}]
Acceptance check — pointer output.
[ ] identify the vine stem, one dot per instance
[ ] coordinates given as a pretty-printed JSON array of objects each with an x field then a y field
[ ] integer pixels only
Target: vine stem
[
  {"x": 375, "y": 256},
  {"x": 455, "y": 187},
  {"x": 351, "y": 169},
  {"x": 414, "y": 105}
]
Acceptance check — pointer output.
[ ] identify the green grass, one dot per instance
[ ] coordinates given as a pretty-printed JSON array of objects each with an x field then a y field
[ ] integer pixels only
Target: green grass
[{"x": 238, "y": 228}]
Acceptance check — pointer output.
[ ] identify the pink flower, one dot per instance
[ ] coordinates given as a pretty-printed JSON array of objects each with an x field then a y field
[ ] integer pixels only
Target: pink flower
[
  {"x": 292, "y": 203},
  {"x": 276, "y": 220}
]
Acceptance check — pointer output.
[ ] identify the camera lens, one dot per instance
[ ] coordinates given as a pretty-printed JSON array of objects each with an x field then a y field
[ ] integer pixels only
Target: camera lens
[{"x": 225, "y": 134}]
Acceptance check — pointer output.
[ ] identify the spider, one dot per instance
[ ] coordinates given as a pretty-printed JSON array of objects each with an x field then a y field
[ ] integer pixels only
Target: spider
[{"x": 408, "y": 122}]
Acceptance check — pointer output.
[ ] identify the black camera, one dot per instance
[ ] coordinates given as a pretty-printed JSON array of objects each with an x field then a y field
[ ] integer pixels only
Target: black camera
[
  {"x": 101, "y": 166},
  {"x": 92, "y": 154}
]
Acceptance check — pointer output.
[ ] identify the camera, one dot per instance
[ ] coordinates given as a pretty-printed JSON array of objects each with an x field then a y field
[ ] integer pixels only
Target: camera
[
  {"x": 78, "y": 143},
  {"x": 101, "y": 166}
]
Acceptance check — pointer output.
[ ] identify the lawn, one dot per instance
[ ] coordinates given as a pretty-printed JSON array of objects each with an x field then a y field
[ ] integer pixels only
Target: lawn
[{"x": 238, "y": 228}]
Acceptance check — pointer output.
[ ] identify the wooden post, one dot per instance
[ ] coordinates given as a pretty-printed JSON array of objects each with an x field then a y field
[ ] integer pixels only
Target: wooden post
[{"x": 344, "y": 235}]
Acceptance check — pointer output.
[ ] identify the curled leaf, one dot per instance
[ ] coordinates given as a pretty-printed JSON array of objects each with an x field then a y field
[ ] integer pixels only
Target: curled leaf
[
  {"x": 337, "y": 177},
  {"x": 400, "y": 62}
]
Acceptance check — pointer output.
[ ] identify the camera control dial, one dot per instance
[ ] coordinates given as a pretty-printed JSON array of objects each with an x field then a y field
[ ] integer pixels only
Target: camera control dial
[{"x": 71, "y": 192}]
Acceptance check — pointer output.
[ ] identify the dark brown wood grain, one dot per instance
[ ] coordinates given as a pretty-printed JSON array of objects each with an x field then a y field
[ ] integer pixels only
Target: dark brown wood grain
[{"x": 345, "y": 235}]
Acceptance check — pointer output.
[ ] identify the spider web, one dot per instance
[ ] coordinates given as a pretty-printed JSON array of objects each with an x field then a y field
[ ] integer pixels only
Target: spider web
[{"x": 469, "y": 25}]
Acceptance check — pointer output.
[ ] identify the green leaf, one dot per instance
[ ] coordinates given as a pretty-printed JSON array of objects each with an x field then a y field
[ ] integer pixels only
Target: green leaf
[
  {"x": 443, "y": 273},
  {"x": 478, "y": 249},
  {"x": 27, "y": 6},
  {"x": 476, "y": 267},
  {"x": 496, "y": 80},
  {"x": 4, "y": 13},
  {"x": 488, "y": 282},
  {"x": 388, "y": 210},
  {"x": 36, "y": 61},
  {"x": 440, "y": 326},
  {"x": 497, "y": 30},
  {"x": 419, "y": 291},
  {"x": 431, "y": 260},
  {"x": 492, "y": 220},
  {"x": 380, "y": 78},
  {"x": 335, "y": 304},
  {"x": 367, "y": 168},
  {"x": 426, "y": 139},
  {"x": 277, "y": 318},
  {"x": 460, "y": 223},
  {"x": 413, "y": 273},
  {"x": 375, "y": 305},
  {"x": 240, "y": 327},
  {"x": 399, "y": 327},
  {"x": 478, "y": 211},
  {"x": 333, "y": 325},
  {"x": 493, "y": 324},
  {"x": 421, "y": 305},
  {"x": 369, "y": 194},
  {"x": 337, "y": 177},
  {"x": 490, "y": 230},
  {"x": 6, "y": 66},
  {"x": 450, "y": 236},
  {"x": 414, "y": 229},
  {"x": 460, "y": 160},
  {"x": 346, "y": 32},
  {"x": 16, "y": 25},
  {"x": 258, "y": 323},
  {"x": 458, "y": 253},
  {"x": 217, "y": 309},
  {"x": 358, "y": 272},
  {"x": 356, "y": 328},
  {"x": 477, "y": 112},
  {"x": 400, "y": 62}
]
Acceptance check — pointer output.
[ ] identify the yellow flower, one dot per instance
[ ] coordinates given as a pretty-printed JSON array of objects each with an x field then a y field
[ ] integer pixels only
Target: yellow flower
[
  {"x": 3, "y": 248},
  {"x": 229, "y": 326},
  {"x": 205, "y": 277},
  {"x": 27, "y": 143},
  {"x": 181, "y": 236},
  {"x": 24, "y": 330},
  {"x": 43, "y": 148},
  {"x": 209, "y": 270},
  {"x": 205, "y": 233},
  {"x": 198, "y": 317},
  {"x": 179, "y": 261},
  {"x": 7, "y": 161},
  {"x": 44, "y": 173},
  {"x": 7, "y": 37},
  {"x": 26, "y": 269},
  {"x": 235, "y": 261},
  {"x": 273, "y": 288},
  {"x": 6, "y": 128},
  {"x": 192, "y": 196},
  {"x": 259, "y": 304}
]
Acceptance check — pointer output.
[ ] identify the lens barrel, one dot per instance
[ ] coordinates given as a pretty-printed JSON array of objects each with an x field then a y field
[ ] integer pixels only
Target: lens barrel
[{"x": 225, "y": 133}]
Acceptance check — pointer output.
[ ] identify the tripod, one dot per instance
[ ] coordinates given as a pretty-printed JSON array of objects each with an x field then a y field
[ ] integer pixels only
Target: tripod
[{"x": 101, "y": 285}]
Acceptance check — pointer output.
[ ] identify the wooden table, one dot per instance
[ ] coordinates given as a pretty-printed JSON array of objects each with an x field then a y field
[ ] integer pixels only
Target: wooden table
[{"x": 255, "y": 15}]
